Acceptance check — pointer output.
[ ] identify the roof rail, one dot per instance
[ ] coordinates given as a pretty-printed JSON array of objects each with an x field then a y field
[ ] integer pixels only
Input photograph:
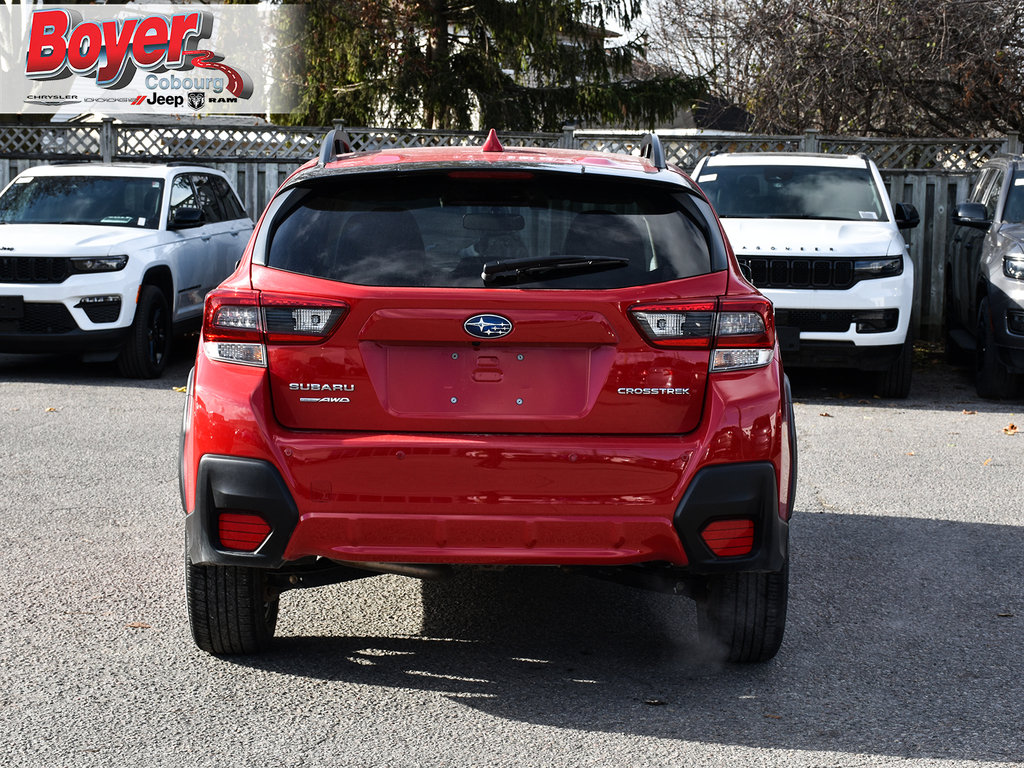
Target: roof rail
[
  {"x": 650, "y": 147},
  {"x": 335, "y": 143}
]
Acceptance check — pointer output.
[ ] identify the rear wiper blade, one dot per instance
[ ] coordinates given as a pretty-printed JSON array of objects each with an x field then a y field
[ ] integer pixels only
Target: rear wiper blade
[{"x": 524, "y": 270}]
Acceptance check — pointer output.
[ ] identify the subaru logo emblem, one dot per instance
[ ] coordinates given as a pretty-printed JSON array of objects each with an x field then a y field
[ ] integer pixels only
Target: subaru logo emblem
[{"x": 488, "y": 326}]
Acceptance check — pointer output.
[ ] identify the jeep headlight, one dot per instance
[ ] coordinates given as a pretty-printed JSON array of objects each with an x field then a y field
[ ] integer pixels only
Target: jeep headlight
[
  {"x": 89, "y": 264},
  {"x": 885, "y": 266},
  {"x": 1013, "y": 262}
]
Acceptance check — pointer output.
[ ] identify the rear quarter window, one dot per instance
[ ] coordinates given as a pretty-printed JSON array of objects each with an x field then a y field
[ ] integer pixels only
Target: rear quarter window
[{"x": 444, "y": 229}]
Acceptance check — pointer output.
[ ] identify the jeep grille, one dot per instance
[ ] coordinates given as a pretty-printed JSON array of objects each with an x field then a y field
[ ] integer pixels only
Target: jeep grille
[{"x": 33, "y": 269}]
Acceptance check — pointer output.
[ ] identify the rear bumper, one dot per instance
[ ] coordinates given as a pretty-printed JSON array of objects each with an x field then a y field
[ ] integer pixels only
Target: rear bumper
[
  {"x": 749, "y": 491},
  {"x": 602, "y": 500}
]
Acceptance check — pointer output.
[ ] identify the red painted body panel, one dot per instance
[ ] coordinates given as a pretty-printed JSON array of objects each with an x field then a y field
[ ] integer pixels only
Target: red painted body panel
[
  {"x": 403, "y": 362},
  {"x": 586, "y": 499}
]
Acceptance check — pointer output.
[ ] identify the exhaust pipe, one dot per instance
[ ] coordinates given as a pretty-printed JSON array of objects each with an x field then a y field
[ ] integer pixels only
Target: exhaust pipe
[{"x": 412, "y": 570}]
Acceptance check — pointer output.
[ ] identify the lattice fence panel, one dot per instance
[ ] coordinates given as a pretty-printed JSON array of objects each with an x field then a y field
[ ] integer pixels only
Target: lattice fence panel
[
  {"x": 217, "y": 143},
  {"x": 685, "y": 151},
  {"x": 941, "y": 155},
  {"x": 47, "y": 140}
]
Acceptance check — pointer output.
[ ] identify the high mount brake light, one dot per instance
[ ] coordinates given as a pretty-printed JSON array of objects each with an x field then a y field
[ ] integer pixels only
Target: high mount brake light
[
  {"x": 740, "y": 332},
  {"x": 237, "y": 325},
  {"x": 506, "y": 175}
]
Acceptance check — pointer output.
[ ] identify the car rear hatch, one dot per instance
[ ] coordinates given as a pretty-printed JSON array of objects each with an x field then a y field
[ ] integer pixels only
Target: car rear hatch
[
  {"x": 490, "y": 304},
  {"x": 409, "y": 361}
]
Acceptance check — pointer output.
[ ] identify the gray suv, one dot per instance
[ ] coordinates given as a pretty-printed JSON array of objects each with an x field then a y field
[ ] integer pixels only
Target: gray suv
[{"x": 984, "y": 284}]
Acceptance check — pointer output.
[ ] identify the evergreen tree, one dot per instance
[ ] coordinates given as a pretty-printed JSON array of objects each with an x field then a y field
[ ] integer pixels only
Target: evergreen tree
[{"x": 524, "y": 65}]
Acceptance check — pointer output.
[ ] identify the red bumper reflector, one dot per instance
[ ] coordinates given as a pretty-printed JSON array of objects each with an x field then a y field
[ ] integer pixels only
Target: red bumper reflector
[
  {"x": 729, "y": 538},
  {"x": 243, "y": 532}
]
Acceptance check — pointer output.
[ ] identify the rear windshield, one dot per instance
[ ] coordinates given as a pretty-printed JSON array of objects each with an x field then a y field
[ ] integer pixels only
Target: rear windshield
[
  {"x": 792, "y": 192},
  {"x": 492, "y": 229},
  {"x": 110, "y": 201}
]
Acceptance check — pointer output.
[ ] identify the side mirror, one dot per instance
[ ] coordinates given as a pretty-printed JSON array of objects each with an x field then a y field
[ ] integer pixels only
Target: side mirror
[
  {"x": 186, "y": 218},
  {"x": 907, "y": 216},
  {"x": 971, "y": 215}
]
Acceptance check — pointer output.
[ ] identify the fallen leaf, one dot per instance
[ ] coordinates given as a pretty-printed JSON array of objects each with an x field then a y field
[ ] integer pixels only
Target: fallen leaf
[
  {"x": 51, "y": 409},
  {"x": 1010, "y": 429},
  {"x": 138, "y": 625},
  {"x": 987, "y": 462},
  {"x": 826, "y": 414},
  {"x": 965, "y": 412},
  {"x": 180, "y": 389}
]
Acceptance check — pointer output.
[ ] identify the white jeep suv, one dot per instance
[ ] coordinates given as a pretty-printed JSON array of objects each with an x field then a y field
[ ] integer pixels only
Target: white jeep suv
[
  {"x": 108, "y": 261},
  {"x": 818, "y": 235}
]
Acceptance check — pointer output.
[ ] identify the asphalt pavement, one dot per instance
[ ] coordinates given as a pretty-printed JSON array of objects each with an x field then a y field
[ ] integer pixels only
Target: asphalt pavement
[{"x": 905, "y": 641}]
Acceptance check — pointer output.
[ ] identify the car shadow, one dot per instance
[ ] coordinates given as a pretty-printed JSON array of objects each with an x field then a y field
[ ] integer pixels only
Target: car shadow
[
  {"x": 72, "y": 370},
  {"x": 936, "y": 385},
  {"x": 904, "y": 639}
]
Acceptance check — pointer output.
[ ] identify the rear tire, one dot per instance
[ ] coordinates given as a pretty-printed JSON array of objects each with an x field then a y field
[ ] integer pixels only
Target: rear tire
[
  {"x": 230, "y": 609},
  {"x": 895, "y": 381},
  {"x": 741, "y": 617},
  {"x": 992, "y": 379},
  {"x": 148, "y": 348}
]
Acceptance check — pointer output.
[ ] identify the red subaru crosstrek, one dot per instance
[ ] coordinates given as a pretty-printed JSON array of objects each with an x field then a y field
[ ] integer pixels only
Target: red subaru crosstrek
[{"x": 488, "y": 356}]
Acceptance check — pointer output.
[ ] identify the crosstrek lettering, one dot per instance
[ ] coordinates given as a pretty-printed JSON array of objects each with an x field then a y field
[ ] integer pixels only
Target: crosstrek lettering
[{"x": 654, "y": 390}]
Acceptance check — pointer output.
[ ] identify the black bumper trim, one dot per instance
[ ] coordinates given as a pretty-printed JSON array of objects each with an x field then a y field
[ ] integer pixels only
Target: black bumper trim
[
  {"x": 228, "y": 483},
  {"x": 734, "y": 491},
  {"x": 841, "y": 354},
  {"x": 69, "y": 341}
]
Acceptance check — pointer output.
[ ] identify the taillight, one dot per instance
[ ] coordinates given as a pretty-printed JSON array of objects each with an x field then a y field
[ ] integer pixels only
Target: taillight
[
  {"x": 294, "y": 322},
  {"x": 678, "y": 325},
  {"x": 237, "y": 325},
  {"x": 740, "y": 332},
  {"x": 233, "y": 328}
]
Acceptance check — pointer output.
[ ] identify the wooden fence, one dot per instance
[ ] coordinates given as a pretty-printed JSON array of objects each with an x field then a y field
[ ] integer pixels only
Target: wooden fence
[{"x": 933, "y": 174}]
